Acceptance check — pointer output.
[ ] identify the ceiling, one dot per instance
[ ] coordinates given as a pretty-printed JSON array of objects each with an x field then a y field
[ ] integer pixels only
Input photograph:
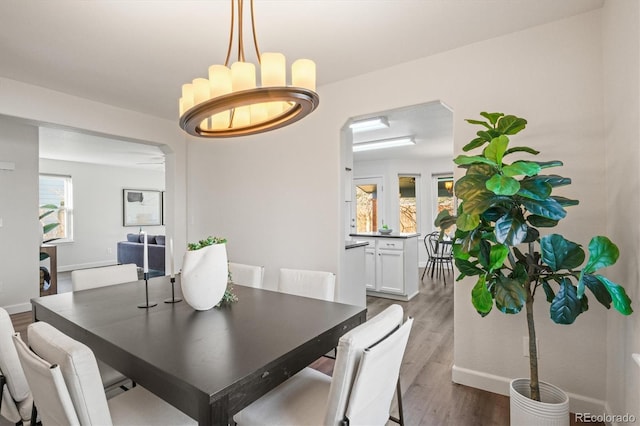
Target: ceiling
[
  {"x": 137, "y": 54},
  {"x": 429, "y": 124},
  {"x": 58, "y": 144}
]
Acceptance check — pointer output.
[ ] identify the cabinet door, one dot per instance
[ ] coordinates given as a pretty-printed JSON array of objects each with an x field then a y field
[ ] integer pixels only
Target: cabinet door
[
  {"x": 391, "y": 271},
  {"x": 370, "y": 267}
]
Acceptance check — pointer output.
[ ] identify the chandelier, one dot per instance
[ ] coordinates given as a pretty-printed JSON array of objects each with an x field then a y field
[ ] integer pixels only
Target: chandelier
[{"x": 229, "y": 103}]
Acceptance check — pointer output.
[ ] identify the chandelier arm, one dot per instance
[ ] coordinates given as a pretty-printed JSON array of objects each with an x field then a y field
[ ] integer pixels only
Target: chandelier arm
[
  {"x": 226, "y": 61},
  {"x": 255, "y": 38},
  {"x": 233, "y": 113},
  {"x": 240, "y": 31}
]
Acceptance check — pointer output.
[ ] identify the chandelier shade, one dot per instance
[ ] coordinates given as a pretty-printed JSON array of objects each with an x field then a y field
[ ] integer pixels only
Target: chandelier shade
[{"x": 230, "y": 103}]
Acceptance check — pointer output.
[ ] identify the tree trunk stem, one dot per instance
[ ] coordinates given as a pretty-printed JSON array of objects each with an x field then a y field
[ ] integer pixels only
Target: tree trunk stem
[
  {"x": 533, "y": 349},
  {"x": 534, "y": 384}
]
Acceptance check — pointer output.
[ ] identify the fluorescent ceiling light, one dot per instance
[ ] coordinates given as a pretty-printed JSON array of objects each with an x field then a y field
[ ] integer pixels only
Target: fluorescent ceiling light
[
  {"x": 374, "y": 123},
  {"x": 383, "y": 143}
]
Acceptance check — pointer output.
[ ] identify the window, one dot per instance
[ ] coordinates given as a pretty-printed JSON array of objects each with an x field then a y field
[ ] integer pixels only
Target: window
[
  {"x": 56, "y": 197},
  {"x": 408, "y": 203},
  {"x": 444, "y": 197}
]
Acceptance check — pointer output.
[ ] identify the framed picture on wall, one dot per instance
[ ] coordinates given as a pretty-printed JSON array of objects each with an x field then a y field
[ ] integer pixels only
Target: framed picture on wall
[{"x": 141, "y": 207}]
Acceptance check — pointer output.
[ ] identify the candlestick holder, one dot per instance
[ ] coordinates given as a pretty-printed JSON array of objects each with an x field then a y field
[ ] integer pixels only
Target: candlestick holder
[
  {"x": 146, "y": 305},
  {"x": 173, "y": 294}
]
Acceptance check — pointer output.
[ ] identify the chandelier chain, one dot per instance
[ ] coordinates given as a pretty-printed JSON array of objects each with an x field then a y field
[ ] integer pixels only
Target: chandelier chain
[
  {"x": 253, "y": 29},
  {"x": 241, "y": 55},
  {"x": 240, "y": 31},
  {"x": 226, "y": 61}
]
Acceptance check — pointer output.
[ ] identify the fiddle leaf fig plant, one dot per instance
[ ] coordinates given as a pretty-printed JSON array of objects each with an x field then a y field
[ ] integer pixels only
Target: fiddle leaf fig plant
[{"x": 498, "y": 241}]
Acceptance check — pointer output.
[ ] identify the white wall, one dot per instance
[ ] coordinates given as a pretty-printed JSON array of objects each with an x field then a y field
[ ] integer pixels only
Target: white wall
[
  {"x": 273, "y": 196},
  {"x": 20, "y": 234},
  {"x": 97, "y": 210},
  {"x": 621, "y": 29},
  {"x": 23, "y": 103},
  {"x": 389, "y": 170},
  {"x": 277, "y": 195}
]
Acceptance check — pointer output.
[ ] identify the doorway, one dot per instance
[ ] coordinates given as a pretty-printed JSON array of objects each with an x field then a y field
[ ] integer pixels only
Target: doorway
[
  {"x": 406, "y": 169},
  {"x": 100, "y": 168}
]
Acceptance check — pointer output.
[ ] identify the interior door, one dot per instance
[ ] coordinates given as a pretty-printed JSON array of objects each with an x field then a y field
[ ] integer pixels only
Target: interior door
[{"x": 368, "y": 205}]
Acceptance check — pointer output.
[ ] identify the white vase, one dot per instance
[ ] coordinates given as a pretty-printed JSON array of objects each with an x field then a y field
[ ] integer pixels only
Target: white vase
[
  {"x": 551, "y": 410},
  {"x": 204, "y": 276}
]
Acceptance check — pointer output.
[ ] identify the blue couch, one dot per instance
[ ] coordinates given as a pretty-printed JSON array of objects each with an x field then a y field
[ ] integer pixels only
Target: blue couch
[{"x": 131, "y": 251}]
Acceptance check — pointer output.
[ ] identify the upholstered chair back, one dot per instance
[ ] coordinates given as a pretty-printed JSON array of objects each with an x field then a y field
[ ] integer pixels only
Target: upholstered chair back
[
  {"x": 372, "y": 391},
  {"x": 49, "y": 389},
  {"x": 16, "y": 390},
  {"x": 315, "y": 284},
  {"x": 351, "y": 348},
  {"x": 84, "y": 279},
  {"x": 79, "y": 369},
  {"x": 247, "y": 275}
]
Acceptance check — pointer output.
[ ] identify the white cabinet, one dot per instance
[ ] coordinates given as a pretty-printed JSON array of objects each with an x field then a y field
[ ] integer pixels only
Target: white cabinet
[
  {"x": 391, "y": 271},
  {"x": 391, "y": 267}
]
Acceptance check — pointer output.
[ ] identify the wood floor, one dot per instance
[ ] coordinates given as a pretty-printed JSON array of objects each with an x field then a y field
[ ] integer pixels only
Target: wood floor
[{"x": 429, "y": 396}]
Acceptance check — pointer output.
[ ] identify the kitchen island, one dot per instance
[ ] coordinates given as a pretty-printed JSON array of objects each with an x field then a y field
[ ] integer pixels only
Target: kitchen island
[{"x": 391, "y": 264}]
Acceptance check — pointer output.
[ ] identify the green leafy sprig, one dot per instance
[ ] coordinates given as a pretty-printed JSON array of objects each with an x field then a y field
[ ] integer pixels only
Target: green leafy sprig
[{"x": 209, "y": 241}]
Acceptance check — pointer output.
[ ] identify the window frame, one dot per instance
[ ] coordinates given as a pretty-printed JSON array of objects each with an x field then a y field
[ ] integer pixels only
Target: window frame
[
  {"x": 68, "y": 205},
  {"x": 418, "y": 192},
  {"x": 435, "y": 178}
]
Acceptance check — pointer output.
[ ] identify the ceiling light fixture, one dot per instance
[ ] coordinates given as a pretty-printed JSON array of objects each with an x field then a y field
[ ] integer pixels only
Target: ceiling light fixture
[
  {"x": 383, "y": 143},
  {"x": 229, "y": 103},
  {"x": 374, "y": 123}
]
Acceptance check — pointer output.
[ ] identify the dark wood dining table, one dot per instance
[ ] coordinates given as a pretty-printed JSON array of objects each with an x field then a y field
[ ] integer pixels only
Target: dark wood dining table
[{"x": 209, "y": 364}]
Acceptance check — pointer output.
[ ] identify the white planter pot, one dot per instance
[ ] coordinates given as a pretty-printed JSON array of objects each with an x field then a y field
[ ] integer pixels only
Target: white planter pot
[
  {"x": 204, "y": 276},
  {"x": 552, "y": 410}
]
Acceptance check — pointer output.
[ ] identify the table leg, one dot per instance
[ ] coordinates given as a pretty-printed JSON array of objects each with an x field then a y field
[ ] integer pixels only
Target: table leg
[{"x": 215, "y": 414}]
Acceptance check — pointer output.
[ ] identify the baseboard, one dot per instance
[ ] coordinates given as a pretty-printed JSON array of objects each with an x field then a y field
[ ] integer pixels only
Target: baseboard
[
  {"x": 19, "y": 308},
  {"x": 480, "y": 380},
  {"x": 391, "y": 296},
  {"x": 500, "y": 385},
  {"x": 67, "y": 268}
]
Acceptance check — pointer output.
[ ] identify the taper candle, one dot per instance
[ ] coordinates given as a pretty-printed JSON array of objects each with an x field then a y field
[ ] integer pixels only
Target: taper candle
[
  {"x": 172, "y": 270},
  {"x": 145, "y": 256}
]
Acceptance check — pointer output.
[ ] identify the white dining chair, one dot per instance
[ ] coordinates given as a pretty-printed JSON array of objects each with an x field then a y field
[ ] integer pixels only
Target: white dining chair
[
  {"x": 16, "y": 401},
  {"x": 359, "y": 393},
  {"x": 85, "y": 279},
  {"x": 315, "y": 284},
  {"x": 247, "y": 275},
  {"x": 67, "y": 389}
]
